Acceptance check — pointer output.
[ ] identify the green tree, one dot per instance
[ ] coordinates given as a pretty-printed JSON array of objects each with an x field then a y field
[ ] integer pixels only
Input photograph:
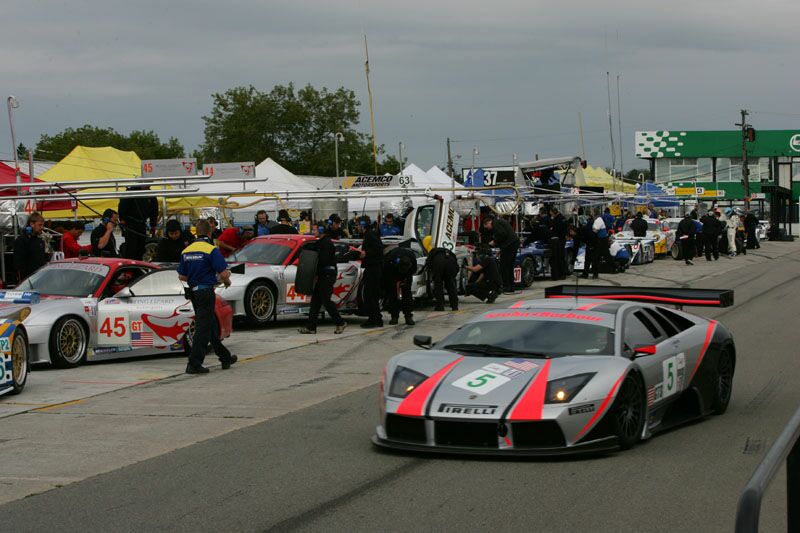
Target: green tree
[
  {"x": 22, "y": 151},
  {"x": 633, "y": 175},
  {"x": 146, "y": 144},
  {"x": 293, "y": 127}
]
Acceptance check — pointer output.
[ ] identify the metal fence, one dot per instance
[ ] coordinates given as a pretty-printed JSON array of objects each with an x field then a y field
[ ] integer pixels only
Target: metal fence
[{"x": 786, "y": 448}]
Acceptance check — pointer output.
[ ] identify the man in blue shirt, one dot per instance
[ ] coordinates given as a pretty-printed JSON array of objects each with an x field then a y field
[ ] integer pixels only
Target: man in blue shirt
[
  {"x": 608, "y": 218},
  {"x": 262, "y": 223},
  {"x": 388, "y": 227},
  {"x": 201, "y": 263}
]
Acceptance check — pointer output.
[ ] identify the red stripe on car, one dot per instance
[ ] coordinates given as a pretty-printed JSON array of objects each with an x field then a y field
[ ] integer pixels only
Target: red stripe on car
[
  {"x": 601, "y": 409},
  {"x": 414, "y": 404},
  {"x": 518, "y": 304},
  {"x": 712, "y": 325},
  {"x": 530, "y": 406},
  {"x": 588, "y": 306}
]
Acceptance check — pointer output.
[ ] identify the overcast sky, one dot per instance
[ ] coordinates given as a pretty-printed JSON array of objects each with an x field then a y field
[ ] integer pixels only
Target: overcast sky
[{"x": 503, "y": 76}]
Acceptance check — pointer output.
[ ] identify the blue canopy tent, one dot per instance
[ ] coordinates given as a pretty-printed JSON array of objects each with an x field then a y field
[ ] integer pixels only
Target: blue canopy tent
[{"x": 650, "y": 193}]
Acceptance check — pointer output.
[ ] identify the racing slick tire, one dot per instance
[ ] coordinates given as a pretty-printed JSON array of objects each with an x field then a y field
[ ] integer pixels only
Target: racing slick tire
[
  {"x": 259, "y": 303},
  {"x": 628, "y": 412},
  {"x": 69, "y": 340},
  {"x": 19, "y": 361},
  {"x": 528, "y": 272},
  {"x": 723, "y": 385},
  {"x": 675, "y": 251}
]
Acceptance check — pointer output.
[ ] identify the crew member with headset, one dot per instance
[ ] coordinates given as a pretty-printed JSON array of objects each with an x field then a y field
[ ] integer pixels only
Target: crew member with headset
[
  {"x": 284, "y": 225},
  {"x": 372, "y": 261},
  {"x": 335, "y": 227},
  {"x": 261, "y": 223},
  {"x": 326, "y": 278},
  {"x": 639, "y": 225},
  {"x": 443, "y": 267},
  {"x": 171, "y": 246},
  {"x": 102, "y": 238},
  {"x": 503, "y": 237},
  {"x": 201, "y": 264},
  {"x": 29, "y": 254},
  {"x": 399, "y": 267},
  {"x": 134, "y": 214}
]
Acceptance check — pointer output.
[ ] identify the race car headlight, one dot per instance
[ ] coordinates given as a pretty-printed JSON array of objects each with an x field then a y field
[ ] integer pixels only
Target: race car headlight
[
  {"x": 404, "y": 381},
  {"x": 564, "y": 389}
]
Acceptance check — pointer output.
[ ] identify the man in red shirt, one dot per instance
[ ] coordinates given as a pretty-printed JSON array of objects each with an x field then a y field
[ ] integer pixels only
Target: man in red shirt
[
  {"x": 69, "y": 241},
  {"x": 234, "y": 238}
]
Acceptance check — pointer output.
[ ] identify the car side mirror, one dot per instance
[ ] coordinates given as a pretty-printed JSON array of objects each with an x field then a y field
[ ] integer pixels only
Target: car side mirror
[
  {"x": 644, "y": 349},
  {"x": 423, "y": 341},
  {"x": 124, "y": 292}
]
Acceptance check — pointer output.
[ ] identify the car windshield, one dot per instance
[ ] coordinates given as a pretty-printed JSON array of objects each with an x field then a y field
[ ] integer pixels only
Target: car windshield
[
  {"x": 66, "y": 279},
  {"x": 652, "y": 225},
  {"x": 268, "y": 253},
  {"x": 544, "y": 338}
]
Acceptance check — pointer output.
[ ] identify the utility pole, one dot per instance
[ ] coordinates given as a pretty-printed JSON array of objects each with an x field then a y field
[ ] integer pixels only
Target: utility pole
[
  {"x": 745, "y": 170},
  {"x": 610, "y": 126},
  {"x": 400, "y": 147},
  {"x": 580, "y": 128},
  {"x": 450, "y": 170}
]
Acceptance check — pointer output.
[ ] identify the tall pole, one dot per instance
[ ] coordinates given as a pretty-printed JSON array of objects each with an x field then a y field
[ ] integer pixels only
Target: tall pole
[
  {"x": 745, "y": 168},
  {"x": 400, "y": 146},
  {"x": 580, "y": 128},
  {"x": 12, "y": 103},
  {"x": 450, "y": 169},
  {"x": 338, "y": 136},
  {"x": 619, "y": 130},
  {"x": 610, "y": 127},
  {"x": 371, "y": 113}
]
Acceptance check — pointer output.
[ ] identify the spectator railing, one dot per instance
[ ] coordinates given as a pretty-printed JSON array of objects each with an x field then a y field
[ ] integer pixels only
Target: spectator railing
[{"x": 786, "y": 448}]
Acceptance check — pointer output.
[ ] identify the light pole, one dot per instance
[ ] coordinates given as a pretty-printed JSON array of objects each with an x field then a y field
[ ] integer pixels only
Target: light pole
[
  {"x": 400, "y": 147},
  {"x": 338, "y": 136},
  {"x": 13, "y": 103},
  {"x": 475, "y": 152}
]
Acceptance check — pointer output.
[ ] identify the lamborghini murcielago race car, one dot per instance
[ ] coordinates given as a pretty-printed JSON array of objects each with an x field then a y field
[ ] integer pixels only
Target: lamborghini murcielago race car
[{"x": 590, "y": 368}]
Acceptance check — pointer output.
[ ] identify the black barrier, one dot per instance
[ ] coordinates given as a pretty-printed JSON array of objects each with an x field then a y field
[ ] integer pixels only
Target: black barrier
[{"x": 786, "y": 448}]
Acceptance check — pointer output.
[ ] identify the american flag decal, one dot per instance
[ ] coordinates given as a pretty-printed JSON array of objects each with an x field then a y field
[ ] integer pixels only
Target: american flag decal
[
  {"x": 521, "y": 364},
  {"x": 141, "y": 338},
  {"x": 651, "y": 396}
]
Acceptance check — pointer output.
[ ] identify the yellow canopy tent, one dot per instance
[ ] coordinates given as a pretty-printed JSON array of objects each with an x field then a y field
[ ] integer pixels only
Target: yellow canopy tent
[
  {"x": 85, "y": 163},
  {"x": 598, "y": 177}
]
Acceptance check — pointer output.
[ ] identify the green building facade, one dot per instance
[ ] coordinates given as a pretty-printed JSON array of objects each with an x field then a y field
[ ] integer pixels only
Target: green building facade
[{"x": 712, "y": 160}]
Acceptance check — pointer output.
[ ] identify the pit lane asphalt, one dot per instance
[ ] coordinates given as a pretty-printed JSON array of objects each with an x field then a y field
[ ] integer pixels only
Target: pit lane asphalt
[{"x": 311, "y": 466}]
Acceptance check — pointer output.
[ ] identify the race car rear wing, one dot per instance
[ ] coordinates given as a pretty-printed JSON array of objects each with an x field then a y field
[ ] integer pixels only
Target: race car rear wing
[{"x": 654, "y": 295}]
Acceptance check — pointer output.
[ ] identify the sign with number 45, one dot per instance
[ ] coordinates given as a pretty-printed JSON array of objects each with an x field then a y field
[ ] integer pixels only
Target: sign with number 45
[{"x": 113, "y": 329}]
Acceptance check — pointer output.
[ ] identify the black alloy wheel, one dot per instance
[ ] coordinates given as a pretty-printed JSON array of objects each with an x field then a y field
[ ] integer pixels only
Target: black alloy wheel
[
  {"x": 628, "y": 412},
  {"x": 724, "y": 382}
]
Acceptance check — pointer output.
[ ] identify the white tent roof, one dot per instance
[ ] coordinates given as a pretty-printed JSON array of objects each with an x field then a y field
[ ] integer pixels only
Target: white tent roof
[
  {"x": 437, "y": 176},
  {"x": 274, "y": 178}
]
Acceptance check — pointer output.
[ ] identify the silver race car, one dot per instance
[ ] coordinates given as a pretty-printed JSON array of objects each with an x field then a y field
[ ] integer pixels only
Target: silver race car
[{"x": 588, "y": 369}]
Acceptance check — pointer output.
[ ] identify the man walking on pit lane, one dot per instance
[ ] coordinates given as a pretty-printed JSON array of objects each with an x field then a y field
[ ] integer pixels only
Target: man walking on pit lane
[
  {"x": 201, "y": 264},
  {"x": 712, "y": 227},
  {"x": 326, "y": 279},
  {"x": 685, "y": 232}
]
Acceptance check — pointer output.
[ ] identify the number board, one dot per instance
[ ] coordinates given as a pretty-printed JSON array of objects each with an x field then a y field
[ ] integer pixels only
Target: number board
[
  {"x": 674, "y": 370},
  {"x": 113, "y": 328},
  {"x": 153, "y": 168},
  {"x": 481, "y": 381},
  {"x": 294, "y": 297}
]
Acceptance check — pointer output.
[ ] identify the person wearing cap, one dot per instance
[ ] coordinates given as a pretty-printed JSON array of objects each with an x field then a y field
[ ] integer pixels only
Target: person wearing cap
[
  {"x": 443, "y": 267},
  {"x": 326, "y": 278},
  {"x": 712, "y": 228},
  {"x": 732, "y": 225},
  {"x": 234, "y": 238},
  {"x": 685, "y": 233},
  {"x": 202, "y": 267},
  {"x": 284, "y": 225},
  {"x": 335, "y": 227},
  {"x": 503, "y": 237},
  {"x": 69, "y": 241},
  {"x": 399, "y": 267},
  {"x": 389, "y": 228},
  {"x": 171, "y": 246},
  {"x": 372, "y": 262}
]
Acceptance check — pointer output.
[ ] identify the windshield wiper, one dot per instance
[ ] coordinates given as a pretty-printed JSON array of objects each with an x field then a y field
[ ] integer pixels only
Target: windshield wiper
[{"x": 490, "y": 349}]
